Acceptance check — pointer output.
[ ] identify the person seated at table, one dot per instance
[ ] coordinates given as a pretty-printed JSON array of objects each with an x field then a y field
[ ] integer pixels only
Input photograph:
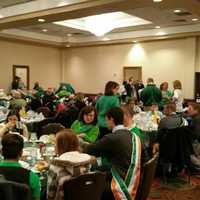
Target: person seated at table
[
  {"x": 86, "y": 126},
  {"x": 66, "y": 143},
  {"x": 17, "y": 102},
  {"x": 11, "y": 169},
  {"x": 171, "y": 120},
  {"x": 131, "y": 102},
  {"x": 194, "y": 112},
  {"x": 37, "y": 86},
  {"x": 67, "y": 87},
  {"x": 129, "y": 122},
  {"x": 122, "y": 149},
  {"x": 49, "y": 98},
  {"x": 154, "y": 114},
  {"x": 13, "y": 124}
]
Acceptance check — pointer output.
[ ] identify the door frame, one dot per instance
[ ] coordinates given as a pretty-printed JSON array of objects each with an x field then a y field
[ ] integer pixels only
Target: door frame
[
  {"x": 27, "y": 71},
  {"x": 131, "y": 67}
]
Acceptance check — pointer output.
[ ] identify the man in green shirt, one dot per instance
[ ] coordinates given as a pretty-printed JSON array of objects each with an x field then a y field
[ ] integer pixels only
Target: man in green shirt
[
  {"x": 12, "y": 147},
  {"x": 150, "y": 94}
]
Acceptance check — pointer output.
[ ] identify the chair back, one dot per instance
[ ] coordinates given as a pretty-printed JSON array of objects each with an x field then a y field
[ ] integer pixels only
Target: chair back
[
  {"x": 180, "y": 146},
  {"x": 10, "y": 190},
  {"x": 148, "y": 173},
  {"x": 44, "y": 110},
  {"x": 85, "y": 187},
  {"x": 51, "y": 128}
]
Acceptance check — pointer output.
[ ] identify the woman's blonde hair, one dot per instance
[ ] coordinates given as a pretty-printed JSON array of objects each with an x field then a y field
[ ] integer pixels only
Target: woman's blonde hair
[{"x": 177, "y": 84}]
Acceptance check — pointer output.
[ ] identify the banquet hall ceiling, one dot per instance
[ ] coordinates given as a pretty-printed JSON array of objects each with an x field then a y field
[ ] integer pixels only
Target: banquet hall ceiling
[
  {"x": 161, "y": 15},
  {"x": 7, "y": 3}
]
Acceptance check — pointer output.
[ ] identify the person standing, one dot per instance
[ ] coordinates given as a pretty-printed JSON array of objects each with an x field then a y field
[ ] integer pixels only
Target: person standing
[
  {"x": 130, "y": 89},
  {"x": 178, "y": 96},
  {"x": 15, "y": 83},
  {"x": 106, "y": 102},
  {"x": 138, "y": 88},
  {"x": 150, "y": 94},
  {"x": 166, "y": 94}
]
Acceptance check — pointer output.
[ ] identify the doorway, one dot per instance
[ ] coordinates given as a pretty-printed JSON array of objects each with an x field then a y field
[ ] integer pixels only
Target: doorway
[
  {"x": 23, "y": 73},
  {"x": 135, "y": 72}
]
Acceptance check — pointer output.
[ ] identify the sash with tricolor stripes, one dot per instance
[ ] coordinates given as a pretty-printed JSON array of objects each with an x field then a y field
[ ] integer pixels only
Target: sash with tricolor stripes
[{"x": 127, "y": 189}]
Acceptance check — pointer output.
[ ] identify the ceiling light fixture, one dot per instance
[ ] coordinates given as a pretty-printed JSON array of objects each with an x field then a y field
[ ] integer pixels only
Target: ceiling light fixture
[
  {"x": 135, "y": 41},
  {"x": 195, "y": 19},
  {"x": 44, "y": 30},
  {"x": 69, "y": 34},
  {"x": 101, "y": 24},
  {"x": 68, "y": 45},
  {"x": 41, "y": 20},
  {"x": 177, "y": 11},
  {"x": 157, "y": 1},
  {"x": 157, "y": 27}
]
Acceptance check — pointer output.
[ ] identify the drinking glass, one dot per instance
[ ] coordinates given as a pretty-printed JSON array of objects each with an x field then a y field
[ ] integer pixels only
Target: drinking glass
[{"x": 33, "y": 137}]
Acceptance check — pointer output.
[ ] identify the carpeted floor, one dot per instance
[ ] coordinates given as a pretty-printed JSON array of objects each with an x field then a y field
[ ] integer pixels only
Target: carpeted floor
[{"x": 176, "y": 189}]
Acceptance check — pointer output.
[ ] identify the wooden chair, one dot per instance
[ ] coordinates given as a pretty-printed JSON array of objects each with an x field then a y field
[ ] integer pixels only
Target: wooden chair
[
  {"x": 85, "y": 187},
  {"x": 148, "y": 172}
]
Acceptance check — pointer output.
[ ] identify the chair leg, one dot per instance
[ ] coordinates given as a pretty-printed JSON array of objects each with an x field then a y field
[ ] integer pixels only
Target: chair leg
[
  {"x": 164, "y": 168},
  {"x": 189, "y": 174}
]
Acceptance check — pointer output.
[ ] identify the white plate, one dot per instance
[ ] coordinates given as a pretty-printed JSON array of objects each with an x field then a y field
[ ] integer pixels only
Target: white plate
[
  {"x": 44, "y": 139},
  {"x": 24, "y": 164}
]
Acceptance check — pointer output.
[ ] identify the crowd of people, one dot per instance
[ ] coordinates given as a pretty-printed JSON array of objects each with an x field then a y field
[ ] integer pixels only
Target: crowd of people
[{"x": 101, "y": 125}]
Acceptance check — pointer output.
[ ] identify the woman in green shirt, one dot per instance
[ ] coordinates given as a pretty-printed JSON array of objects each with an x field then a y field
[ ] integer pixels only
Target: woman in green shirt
[
  {"x": 105, "y": 103},
  {"x": 166, "y": 94},
  {"x": 86, "y": 125}
]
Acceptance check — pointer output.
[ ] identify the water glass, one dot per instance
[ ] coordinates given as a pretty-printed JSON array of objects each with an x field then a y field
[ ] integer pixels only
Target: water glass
[{"x": 33, "y": 137}]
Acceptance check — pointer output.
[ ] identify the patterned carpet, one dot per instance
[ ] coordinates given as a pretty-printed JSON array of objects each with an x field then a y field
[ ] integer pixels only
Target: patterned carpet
[{"x": 176, "y": 189}]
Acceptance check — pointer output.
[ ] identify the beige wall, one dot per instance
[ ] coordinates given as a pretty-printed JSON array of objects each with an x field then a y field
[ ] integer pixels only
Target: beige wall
[
  {"x": 44, "y": 63},
  {"x": 197, "y": 54},
  {"x": 89, "y": 68}
]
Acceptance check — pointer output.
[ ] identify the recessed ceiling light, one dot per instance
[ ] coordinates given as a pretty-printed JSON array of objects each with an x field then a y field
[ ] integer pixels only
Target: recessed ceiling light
[
  {"x": 157, "y": 0},
  {"x": 160, "y": 33},
  {"x": 44, "y": 30},
  {"x": 177, "y": 11},
  {"x": 68, "y": 45},
  {"x": 157, "y": 26},
  {"x": 195, "y": 19},
  {"x": 134, "y": 41},
  {"x": 106, "y": 39},
  {"x": 41, "y": 20}
]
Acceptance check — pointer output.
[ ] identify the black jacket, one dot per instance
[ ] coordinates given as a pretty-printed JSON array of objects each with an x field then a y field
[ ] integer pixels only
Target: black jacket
[{"x": 116, "y": 147}]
